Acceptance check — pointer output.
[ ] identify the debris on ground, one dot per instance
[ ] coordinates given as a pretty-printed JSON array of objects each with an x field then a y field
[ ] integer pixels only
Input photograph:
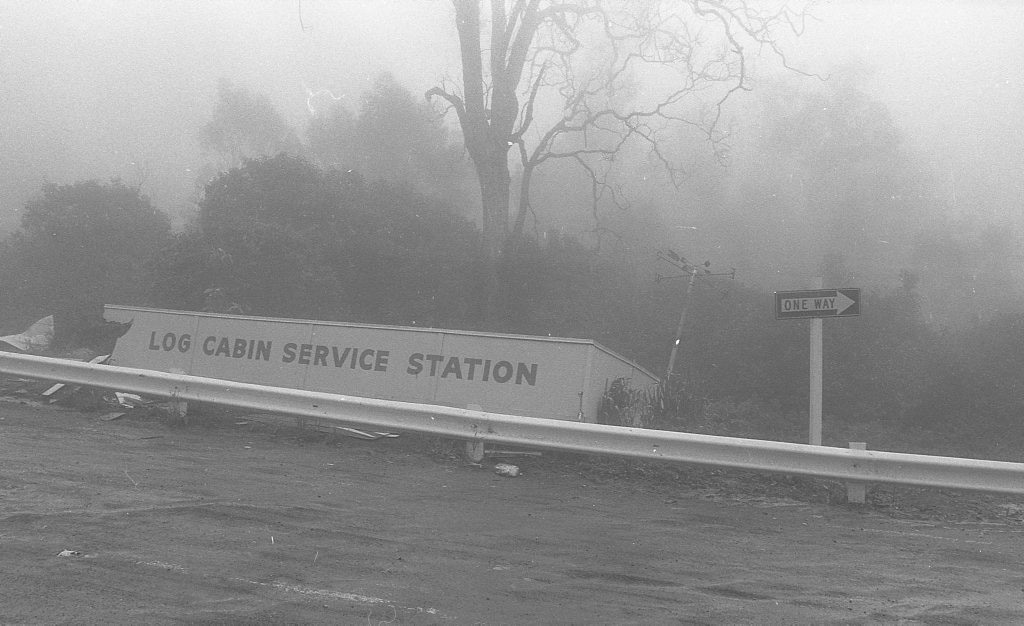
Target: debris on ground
[
  {"x": 508, "y": 453},
  {"x": 129, "y": 400},
  {"x": 362, "y": 434},
  {"x": 52, "y": 390},
  {"x": 506, "y": 469},
  {"x": 102, "y": 358},
  {"x": 38, "y": 337}
]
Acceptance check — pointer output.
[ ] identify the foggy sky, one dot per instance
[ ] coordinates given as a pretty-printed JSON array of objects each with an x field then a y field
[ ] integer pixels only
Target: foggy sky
[{"x": 96, "y": 89}]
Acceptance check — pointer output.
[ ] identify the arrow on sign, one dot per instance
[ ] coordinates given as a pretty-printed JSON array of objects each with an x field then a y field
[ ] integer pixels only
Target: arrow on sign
[{"x": 842, "y": 303}]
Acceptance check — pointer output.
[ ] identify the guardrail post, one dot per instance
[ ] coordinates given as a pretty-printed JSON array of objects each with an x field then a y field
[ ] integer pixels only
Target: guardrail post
[
  {"x": 475, "y": 449},
  {"x": 179, "y": 408},
  {"x": 856, "y": 491}
]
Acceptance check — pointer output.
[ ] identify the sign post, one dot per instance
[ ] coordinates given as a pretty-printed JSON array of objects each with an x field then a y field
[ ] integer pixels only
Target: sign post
[
  {"x": 816, "y": 383},
  {"x": 816, "y": 304}
]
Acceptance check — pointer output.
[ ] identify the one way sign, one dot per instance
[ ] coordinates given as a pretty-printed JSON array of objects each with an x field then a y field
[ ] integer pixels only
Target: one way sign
[{"x": 817, "y": 303}]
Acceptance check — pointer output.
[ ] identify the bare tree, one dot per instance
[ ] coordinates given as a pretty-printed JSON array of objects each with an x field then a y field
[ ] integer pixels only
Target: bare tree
[{"x": 620, "y": 75}]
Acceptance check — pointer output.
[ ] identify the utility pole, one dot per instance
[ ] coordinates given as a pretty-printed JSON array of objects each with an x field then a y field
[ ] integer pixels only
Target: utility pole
[
  {"x": 679, "y": 329},
  {"x": 681, "y": 264}
]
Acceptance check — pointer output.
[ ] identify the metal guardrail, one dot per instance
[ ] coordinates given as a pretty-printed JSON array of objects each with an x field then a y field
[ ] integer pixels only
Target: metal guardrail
[{"x": 479, "y": 426}]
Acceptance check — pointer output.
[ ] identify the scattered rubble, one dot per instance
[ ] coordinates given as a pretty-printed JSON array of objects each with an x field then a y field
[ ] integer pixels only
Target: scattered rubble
[
  {"x": 506, "y": 469},
  {"x": 129, "y": 400},
  {"x": 362, "y": 434},
  {"x": 38, "y": 337}
]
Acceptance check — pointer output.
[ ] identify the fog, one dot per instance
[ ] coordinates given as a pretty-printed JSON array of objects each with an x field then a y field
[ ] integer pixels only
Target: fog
[
  {"x": 104, "y": 89},
  {"x": 101, "y": 89},
  {"x": 957, "y": 99},
  {"x": 268, "y": 160}
]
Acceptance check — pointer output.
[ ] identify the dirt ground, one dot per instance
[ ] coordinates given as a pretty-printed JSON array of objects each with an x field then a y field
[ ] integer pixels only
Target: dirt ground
[{"x": 237, "y": 521}]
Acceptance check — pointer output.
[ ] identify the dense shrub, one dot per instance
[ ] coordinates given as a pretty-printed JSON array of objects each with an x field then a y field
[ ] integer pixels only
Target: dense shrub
[
  {"x": 279, "y": 236},
  {"x": 80, "y": 245}
]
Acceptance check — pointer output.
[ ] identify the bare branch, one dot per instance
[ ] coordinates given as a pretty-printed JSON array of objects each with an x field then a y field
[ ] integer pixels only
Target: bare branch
[
  {"x": 526, "y": 116},
  {"x": 453, "y": 101},
  {"x": 589, "y": 56}
]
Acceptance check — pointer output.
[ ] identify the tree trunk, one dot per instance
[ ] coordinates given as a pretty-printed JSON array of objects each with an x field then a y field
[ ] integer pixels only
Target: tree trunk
[
  {"x": 487, "y": 124},
  {"x": 494, "y": 195},
  {"x": 524, "y": 204}
]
